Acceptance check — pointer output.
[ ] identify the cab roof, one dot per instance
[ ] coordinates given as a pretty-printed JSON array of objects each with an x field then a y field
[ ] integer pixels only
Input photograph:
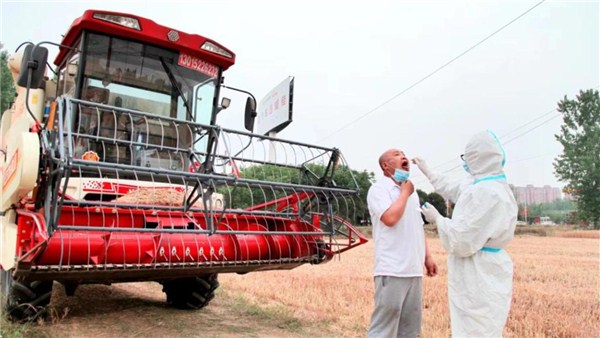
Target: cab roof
[{"x": 150, "y": 32}]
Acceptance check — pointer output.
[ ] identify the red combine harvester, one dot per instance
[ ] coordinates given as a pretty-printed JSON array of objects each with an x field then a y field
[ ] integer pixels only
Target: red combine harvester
[{"x": 116, "y": 171}]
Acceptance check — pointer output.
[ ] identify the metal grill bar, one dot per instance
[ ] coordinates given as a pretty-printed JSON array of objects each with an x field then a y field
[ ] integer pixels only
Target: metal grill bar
[
  {"x": 215, "y": 179},
  {"x": 187, "y": 231}
]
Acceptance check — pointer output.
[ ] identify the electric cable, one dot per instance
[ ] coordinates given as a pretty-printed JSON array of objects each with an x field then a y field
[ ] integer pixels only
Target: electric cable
[
  {"x": 433, "y": 72},
  {"x": 528, "y": 123},
  {"x": 508, "y": 141}
]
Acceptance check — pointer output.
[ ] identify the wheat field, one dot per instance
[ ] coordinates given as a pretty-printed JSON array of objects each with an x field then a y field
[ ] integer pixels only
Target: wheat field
[{"x": 556, "y": 289}]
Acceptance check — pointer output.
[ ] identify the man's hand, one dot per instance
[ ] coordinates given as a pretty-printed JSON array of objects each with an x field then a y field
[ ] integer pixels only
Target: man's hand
[
  {"x": 396, "y": 210},
  {"x": 423, "y": 167},
  {"x": 430, "y": 212},
  {"x": 407, "y": 187},
  {"x": 430, "y": 266}
]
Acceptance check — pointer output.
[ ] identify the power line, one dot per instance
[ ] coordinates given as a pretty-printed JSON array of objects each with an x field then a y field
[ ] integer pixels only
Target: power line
[
  {"x": 510, "y": 140},
  {"x": 424, "y": 179},
  {"x": 513, "y": 131},
  {"x": 528, "y": 123},
  {"x": 530, "y": 158},
  {"x": 515, "y": 137},
  {"x": 531, "y": 129},
  {"x": 433, "y": 72}
]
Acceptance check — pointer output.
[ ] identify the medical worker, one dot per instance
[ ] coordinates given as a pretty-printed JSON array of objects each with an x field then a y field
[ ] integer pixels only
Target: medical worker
[{"x": 480, "y": 271}]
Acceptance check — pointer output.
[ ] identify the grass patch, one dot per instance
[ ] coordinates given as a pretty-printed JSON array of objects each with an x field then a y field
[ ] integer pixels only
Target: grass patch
[
  {"x": 578, "y": 234},
  {"x": 556, "y": 231},
  {"x": 10, "y": 329},
  {"x": 276, "y": 315},
  {"x": 534, "y": 231},
  {"x": 365, "y": 230}
]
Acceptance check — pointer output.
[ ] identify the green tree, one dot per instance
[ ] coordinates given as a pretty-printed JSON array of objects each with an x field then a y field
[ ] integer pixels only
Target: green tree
[
  {"x": 422, "y": 196},
  {"x": 345, "y": 177},
  {"x": 7, "y": 87},
  {"x": 559, "y": 211},
  {"x": 438, "y": 202},
  {"x": 434, "y": 199},
  {"x": 579, "y": 164},
  {"x": 354, "y": 209}
]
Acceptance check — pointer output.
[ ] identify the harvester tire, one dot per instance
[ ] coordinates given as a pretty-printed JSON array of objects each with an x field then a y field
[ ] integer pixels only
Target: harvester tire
[
  {"x": 24, "y": 302},
  {"x": 191, "y": 293}
]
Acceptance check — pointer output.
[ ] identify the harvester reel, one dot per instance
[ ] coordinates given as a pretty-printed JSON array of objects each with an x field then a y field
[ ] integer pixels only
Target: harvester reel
[
  {"x": 24, "y": 302},
  {"x": 191, "y": 293}
]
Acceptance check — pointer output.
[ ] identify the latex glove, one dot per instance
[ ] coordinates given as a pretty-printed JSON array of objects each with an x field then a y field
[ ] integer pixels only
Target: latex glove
[
  {"x": 430, "y": 212},
  {"x": 423, "y": 167}
]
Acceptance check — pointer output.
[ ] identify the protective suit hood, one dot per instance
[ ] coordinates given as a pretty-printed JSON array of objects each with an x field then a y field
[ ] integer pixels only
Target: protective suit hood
[{"x": 484, "y": 155}]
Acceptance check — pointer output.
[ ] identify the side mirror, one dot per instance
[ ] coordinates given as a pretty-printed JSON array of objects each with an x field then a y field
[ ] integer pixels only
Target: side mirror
[
  {"x": 250, "y": 114},
  {"x": 33, "y": 61}
]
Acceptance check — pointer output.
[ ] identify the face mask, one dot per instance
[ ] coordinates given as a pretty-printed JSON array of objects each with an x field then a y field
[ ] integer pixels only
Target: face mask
[
  {"x": 466, "y": 167},
  {"x": 400, "y": 175}
]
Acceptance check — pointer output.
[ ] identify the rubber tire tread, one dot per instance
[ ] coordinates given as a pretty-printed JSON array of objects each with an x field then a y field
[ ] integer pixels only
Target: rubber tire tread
[
  {"x": 27, "y": 302},
  {"x": 191, "y": 293}
]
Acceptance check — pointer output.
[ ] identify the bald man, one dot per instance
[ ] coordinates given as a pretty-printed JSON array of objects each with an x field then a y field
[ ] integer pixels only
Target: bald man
[{"x": 400, "y": 250}]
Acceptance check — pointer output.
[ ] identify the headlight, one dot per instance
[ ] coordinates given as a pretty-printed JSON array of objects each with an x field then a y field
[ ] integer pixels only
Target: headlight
[
  {"x": 119, "y": 20},
  {"x": 213, "y": 48}
]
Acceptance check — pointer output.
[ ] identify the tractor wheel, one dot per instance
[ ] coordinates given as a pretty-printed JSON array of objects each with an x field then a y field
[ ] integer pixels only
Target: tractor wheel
[
  {"x": 24, "y": 302},
  {"x": 191, "y": 293}
]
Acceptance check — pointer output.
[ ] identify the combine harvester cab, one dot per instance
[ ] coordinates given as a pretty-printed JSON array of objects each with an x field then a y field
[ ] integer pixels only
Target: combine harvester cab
[{"x": 116, "y": 171}]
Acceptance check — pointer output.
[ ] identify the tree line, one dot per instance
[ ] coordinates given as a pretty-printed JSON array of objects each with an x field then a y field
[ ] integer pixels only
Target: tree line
[
  {"x": 559, "y": 211},
  {"x": 7, "y": 88}
]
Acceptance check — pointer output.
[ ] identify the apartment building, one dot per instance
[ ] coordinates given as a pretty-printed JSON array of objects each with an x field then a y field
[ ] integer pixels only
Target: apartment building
[{"x": 536, "y": 195}]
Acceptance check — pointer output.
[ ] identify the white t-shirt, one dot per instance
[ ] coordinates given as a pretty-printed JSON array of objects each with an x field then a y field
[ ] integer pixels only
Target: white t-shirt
[{"x": 399, "y": 249}]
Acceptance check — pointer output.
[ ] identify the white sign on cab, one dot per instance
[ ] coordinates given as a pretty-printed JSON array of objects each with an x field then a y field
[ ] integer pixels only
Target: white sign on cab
[{"x": 274, "y": 111}]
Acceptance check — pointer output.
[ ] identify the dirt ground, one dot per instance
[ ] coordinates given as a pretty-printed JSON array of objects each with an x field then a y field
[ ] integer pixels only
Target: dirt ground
[{"x": 140, "y": 310}]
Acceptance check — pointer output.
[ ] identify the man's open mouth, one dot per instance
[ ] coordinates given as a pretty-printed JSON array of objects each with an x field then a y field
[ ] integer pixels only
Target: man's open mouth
[{"x": 405, "y": 164}]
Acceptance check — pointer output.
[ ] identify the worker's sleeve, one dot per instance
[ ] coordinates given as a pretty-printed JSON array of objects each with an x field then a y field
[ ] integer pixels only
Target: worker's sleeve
[
  {"x": 450, "y": 188},
  {"x": 477, "y": 217},
  {"x": 378, "y": 201}
]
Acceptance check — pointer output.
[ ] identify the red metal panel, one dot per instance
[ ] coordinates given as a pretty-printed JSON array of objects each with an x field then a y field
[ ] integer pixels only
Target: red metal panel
[{"x": 74, "y": 248}]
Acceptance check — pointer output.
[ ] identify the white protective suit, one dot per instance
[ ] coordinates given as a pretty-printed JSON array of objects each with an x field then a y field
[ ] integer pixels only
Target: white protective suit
[{"x": 480, "y": 273}]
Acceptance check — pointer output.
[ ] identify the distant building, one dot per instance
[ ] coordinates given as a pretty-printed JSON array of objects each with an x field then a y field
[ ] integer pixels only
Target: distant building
[{"x": 536, "y": 195}]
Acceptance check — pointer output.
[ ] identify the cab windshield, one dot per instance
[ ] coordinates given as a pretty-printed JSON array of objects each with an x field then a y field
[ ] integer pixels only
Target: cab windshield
[
  {"x": 134, "y": 76},
  {"x": 141, "y": 77}
]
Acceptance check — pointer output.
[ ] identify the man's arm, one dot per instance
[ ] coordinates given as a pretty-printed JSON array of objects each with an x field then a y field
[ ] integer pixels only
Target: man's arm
[
  {"x": 393, "y": 214},
  {"x": 444, "y": 185}
]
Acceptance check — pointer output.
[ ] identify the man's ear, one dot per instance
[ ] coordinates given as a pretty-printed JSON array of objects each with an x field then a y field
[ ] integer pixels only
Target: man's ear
[{"x": 384, "y": 167}]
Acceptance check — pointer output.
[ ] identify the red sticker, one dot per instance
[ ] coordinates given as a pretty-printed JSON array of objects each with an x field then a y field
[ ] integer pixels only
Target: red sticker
[{"x": 197, "y": 64}]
